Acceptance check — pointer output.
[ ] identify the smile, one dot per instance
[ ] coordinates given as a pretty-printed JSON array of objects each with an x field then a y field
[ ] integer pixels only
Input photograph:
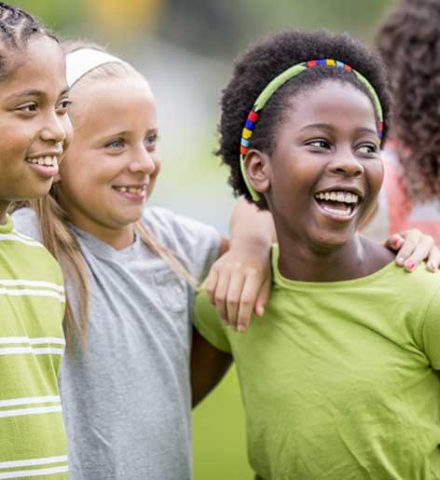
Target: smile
[
  {"x": 47, "y": 161},
  {"x": 136, "y": 190},
  {"x": 340, "y": 204}
]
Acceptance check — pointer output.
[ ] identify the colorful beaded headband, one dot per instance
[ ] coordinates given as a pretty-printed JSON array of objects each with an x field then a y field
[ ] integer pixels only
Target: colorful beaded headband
[{"x": 279, "y": 81}]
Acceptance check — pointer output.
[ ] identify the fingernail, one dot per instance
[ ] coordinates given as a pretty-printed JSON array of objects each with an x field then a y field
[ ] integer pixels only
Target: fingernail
[
  {"x": 432, "y": 266},
  {"x": 396, "y": 242},
  {"x": 241, "y": 328},
  {"x": 400, "y": 260},
  {"x": 409, "y": 265}
]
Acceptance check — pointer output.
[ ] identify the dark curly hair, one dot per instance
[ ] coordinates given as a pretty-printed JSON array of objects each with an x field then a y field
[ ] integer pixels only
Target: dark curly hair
[
  {"x": 409, "y": 42},
  {"x": 16, "y": 28},
  {"x": 264, "y": 61}
]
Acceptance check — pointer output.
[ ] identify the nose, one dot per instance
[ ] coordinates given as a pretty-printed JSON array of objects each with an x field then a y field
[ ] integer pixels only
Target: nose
[
  {"x": 143, "y": 161},
  {"x": 347, "y": 164},
  {"x": 56, "y": 128}
]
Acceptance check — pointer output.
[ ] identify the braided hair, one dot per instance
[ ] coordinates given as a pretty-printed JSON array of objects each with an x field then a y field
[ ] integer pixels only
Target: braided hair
[{"x": 16, "y": 28}]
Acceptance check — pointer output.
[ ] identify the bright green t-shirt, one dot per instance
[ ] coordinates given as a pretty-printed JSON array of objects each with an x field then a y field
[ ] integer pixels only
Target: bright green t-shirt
[
  {"x": 32, "y": 302},
  {"x": 340, "y": 380}
]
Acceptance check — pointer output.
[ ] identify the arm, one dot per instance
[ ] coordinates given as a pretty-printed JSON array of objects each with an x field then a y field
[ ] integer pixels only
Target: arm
[
  {"x": 240, "y": 280},
  {"x": 208, "y": 366}
]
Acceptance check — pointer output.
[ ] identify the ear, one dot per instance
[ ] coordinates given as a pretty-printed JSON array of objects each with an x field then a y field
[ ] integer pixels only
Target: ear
[{"x": 257, "y": 165}]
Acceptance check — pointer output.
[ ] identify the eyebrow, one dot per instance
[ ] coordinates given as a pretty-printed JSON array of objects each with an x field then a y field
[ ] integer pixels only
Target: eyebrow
[
  {"x": 35, "y": 93},
  {"x": 326, "y": 126}
]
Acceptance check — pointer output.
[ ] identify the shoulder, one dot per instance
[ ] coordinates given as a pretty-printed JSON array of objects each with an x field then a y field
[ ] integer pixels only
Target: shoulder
[
  {"x": 30, "y": 257},
  {"x": 26, "y": 223},
  {"x": 174, "y": 230}
]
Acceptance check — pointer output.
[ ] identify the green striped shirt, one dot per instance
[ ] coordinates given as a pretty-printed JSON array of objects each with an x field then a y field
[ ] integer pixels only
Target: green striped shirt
[{"x": 32, "y": 302}]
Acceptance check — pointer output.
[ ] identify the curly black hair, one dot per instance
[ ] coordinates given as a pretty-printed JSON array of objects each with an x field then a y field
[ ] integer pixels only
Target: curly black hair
[
  {"x": 267, "y": 59},
  {"x": 16, "y": 28},
  {"x": 409, "y": 43}
]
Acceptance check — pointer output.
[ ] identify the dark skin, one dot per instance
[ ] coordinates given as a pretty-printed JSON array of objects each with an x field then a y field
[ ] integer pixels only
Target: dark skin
[
  {"x": 327, "y": 143},
  {"x": 208, "y": 365}
]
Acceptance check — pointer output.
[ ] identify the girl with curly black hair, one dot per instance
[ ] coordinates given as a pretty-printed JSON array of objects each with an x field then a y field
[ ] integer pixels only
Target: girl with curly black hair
[
  {"x": 339, "y": 378},
  {"x": 409, "y": 43}
]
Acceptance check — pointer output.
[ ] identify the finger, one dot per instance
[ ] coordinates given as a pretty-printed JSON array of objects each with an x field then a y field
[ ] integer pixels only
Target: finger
[
  {"x": 394, "y": 242},
  {"x": 220, "y": 295},
  {"x": 235, "y": 289},
  {"x": 433, "y": 260},
  {"x": 412, "y": 238},
  {"x": 263, "y": 297},
  {"x": 420, "y": 252},
  {"x": 247, "y": 301},
  {"x": 211, "y": 284}
]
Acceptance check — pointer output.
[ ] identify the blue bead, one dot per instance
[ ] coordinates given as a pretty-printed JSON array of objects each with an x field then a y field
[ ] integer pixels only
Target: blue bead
[
  {"x": 249, "y": 124},
  {"x": 339, "y": 64},
  {"x": 244, "y": 142},
  {"x": 321, "y": 63}
]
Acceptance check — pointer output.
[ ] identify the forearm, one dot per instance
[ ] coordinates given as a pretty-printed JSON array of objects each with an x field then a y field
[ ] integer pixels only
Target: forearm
[
  {"x": 208, "y": 366},
  {"x": 250, "y": 225}
]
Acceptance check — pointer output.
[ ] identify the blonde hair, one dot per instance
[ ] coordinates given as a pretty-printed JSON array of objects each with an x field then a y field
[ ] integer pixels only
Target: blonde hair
[{"x": 59, "y": 238}]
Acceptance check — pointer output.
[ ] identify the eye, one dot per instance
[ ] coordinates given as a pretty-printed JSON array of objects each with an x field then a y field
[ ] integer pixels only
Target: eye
[
  {"x": 319, "y": 143},
  {"x": 151, "y": 141},
  {"x": 115, "y": 144},
  {"x": 30, "y": 107},
  {"x": 63, "y": 106},
  {"x": 367, "y": 149}
]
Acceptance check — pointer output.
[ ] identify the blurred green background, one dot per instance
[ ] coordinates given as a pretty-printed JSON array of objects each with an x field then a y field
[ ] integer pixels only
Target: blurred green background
[{"x": 186, "y": 49}]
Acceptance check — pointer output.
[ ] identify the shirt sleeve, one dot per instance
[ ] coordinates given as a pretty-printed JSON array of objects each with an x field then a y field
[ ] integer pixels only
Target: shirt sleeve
[
  {"x": 431, "y": 331},
  {"x": 209, "y": 324}
]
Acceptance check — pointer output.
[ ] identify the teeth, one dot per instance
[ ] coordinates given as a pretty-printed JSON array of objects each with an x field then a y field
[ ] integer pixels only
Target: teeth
[
  {"x": 343, "y": 197},
  {"x": 130, "y": 189},
  {"x": 47, "y": 161}
]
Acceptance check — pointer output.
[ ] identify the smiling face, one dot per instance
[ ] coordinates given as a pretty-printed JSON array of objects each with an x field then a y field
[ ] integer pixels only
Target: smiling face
[
  {"x": 33, "y": 121},
  {"x": 325, "y": 170},
  {"x": 111, "y": 165}
]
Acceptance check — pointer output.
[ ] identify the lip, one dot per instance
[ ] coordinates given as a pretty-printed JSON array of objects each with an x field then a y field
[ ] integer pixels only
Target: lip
[
  {"x": 340, "y": 188},
  {"x": 44, "y": 171},
  {"x": 136, "y": 197},
  {"x": 332, "y": 214}
]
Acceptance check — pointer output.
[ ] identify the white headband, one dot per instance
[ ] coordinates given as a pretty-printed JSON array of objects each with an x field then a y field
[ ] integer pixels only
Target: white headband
[{"x": 81, "y": 61}]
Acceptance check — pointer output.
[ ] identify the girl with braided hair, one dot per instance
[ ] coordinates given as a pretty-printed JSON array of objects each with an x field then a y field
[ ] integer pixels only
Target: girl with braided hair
[
  {"x": 340, "y": 376},
  {"x": 409, "y": 43},
  {"x": 35, "y": 129}
]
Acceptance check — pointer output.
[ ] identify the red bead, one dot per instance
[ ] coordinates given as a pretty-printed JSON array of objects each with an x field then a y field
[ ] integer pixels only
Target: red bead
[
  {"x": 347, "y": 68},
  {"x": 253, "y": 116},
  {"x": 243, "y": 150},
  {"x": 311, "y": 63}
]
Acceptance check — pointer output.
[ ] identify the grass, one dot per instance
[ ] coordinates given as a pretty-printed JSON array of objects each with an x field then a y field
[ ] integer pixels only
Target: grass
[{"x": 219, "y": 443}]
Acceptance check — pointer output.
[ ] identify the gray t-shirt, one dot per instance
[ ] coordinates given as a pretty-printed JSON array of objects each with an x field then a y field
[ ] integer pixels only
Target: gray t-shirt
[{"x": 127, "y": 398}]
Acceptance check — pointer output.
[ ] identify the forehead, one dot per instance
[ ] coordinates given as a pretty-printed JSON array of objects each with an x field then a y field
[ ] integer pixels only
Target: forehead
[
  {"x": 113, "y": 104},
  {"x": 331, "y": 101},
  {"x": 38, "y": 65}
]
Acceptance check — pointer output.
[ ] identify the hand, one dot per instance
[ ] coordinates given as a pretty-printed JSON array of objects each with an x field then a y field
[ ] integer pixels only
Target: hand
[
  {"x": 239, "y": 284},
  {"x": 412, "y": 246}
]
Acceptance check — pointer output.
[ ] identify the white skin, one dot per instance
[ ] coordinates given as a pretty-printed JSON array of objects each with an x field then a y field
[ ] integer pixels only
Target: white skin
[{"x": 33, "y": 120}]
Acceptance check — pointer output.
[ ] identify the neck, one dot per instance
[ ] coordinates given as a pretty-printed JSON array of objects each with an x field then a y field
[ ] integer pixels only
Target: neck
[{"x": 309, "y": 263}]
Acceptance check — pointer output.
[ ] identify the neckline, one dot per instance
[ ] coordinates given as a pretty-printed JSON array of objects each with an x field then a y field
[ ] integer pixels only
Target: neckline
[{"x": 288, "y": 283}]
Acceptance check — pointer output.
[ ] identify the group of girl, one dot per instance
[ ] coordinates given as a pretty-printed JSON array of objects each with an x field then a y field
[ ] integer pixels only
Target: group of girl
[{"x": 338, "y": 314}]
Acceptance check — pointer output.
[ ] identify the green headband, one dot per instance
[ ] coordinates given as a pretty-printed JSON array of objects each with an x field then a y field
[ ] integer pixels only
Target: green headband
[{"x": 278, "y": 82}]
